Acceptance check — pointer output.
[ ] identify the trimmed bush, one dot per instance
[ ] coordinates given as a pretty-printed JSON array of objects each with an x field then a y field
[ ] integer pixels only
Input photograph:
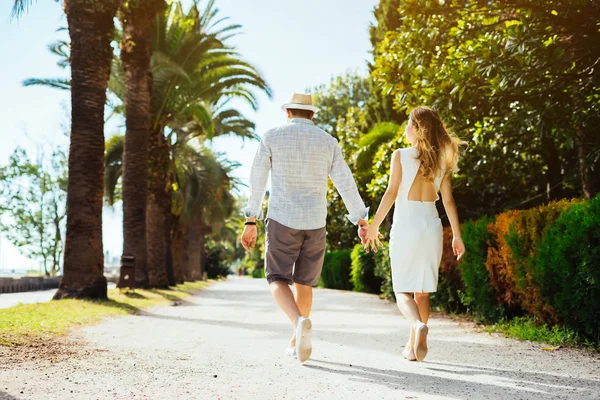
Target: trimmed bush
[
  {"x": 363, "y": 276},
  {"x": 524, "y": 234},
  {"x": 258, "y": 272},
  {"x": 500, "y": 264},
  {"x": 479, "y": 297},
  {"x": 383, "y": 270},
  {"x": 450, "y": 284},
  {"x": 567, "y": 263},
  {"x": 336, "y": 270}
]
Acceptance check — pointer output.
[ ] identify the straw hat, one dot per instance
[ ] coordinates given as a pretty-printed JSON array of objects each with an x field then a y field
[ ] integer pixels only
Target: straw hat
[{"x": 300, "y": 101}]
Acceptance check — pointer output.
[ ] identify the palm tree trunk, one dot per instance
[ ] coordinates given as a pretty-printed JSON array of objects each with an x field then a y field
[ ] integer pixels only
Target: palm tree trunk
[
  {"x": 190, "y": 248},
  {"x": 202, "y": 252},
  {"x": 91, "y": 29},
  {"x": 187, "y": 258},
  {"x": 159, "y": 208},
  {"x": 178, "y": 261},
  {"x": 136, "y": 51},
  {"x": 168, "y": 235},
  {"x": 195, "y": 247}
]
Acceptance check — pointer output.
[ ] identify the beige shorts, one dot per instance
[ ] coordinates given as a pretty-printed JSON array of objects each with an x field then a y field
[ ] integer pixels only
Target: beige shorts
[{"x": 292, "y": 255}]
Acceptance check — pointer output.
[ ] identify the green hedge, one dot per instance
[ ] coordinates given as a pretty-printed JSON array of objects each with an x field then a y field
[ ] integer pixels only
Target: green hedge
[
  {"x": 568, "y": 268},
  {"x": 479, "y": 297},
  {"x": 363, "y": 276},
  {"x": 258, "y": 272},
  {"x": 336, "y": 270}
]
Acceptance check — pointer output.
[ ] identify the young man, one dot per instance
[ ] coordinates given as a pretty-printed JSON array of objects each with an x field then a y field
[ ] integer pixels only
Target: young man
[{"x": 300, "y": 157}]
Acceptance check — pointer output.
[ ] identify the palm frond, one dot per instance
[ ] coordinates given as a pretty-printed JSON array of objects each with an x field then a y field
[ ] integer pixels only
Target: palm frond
[
  {"x": 56, "y": 83},
  {"x": 19, "y": 7},
  {"x": 62, "y": 49},
  {"x": 113, "y": 167}
]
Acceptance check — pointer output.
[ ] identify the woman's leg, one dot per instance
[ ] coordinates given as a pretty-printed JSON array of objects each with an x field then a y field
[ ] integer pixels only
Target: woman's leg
[
  {"x": 408, "y": 307},
  {"x": 410, "y": 310},
  {"x": 422, "y": 300}
]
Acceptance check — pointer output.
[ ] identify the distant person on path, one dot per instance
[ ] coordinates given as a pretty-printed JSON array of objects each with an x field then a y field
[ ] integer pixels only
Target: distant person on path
[
  {"x": 417, "y": 175},
  {"x": 300, "y": 157}
]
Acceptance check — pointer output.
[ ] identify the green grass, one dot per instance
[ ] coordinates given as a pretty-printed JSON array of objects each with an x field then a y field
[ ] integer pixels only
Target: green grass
[
  {"x": 528, "y": 329},
  {"x": 26, "y": 323}
]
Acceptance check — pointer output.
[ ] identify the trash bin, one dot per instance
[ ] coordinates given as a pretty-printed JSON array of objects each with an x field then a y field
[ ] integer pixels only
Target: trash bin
[{"x": 127, "y": 273}]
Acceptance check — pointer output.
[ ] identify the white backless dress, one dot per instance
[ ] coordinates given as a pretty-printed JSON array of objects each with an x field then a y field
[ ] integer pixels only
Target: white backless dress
[{"x": 416, "y": 234}]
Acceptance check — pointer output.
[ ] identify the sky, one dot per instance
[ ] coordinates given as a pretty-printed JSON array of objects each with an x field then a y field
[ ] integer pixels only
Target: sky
[{"x": 296, "y": 46}]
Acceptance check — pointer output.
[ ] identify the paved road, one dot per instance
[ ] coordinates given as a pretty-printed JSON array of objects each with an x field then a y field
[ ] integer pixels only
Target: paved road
[{"x": 228, "y": 343}]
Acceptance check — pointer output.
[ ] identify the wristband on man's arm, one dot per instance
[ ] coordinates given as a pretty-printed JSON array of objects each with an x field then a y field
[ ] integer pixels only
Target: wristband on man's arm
[{"x": 250, "y": 223}]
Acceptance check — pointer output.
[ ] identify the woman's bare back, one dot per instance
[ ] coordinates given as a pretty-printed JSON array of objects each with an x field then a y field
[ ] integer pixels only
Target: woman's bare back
[{"x": 422, "y": 189}]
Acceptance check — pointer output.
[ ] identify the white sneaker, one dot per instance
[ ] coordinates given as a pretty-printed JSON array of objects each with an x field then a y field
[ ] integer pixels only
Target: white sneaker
[
  {"x": 290, "y": 351},
  {"x": 303, "y": 341}
]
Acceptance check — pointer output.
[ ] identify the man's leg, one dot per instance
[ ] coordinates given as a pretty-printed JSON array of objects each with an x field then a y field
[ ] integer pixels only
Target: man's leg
[
  {"x": 282, "y": 248},
  {"x": 285, "y": 298},
  {"x": 304, "y": 296}
]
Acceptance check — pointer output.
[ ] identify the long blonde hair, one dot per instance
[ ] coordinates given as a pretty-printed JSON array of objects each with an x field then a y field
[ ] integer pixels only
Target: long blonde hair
[{"x": 437, "y": 148}]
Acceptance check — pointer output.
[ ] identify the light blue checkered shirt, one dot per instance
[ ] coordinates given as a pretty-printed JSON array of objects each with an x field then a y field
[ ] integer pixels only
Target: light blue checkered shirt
[{"x": 301, "y": 157}]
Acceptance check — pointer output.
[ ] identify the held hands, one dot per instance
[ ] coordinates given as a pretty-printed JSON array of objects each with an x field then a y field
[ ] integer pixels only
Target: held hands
[
  {"x": 249, "y": 237},
  {"x": 458, "y": 247},
  {"x": 371, "y": 237}
]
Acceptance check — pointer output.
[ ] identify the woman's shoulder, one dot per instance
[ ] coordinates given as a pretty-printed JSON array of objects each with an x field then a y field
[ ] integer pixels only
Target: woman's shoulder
[{"x": 407, "y": 153}]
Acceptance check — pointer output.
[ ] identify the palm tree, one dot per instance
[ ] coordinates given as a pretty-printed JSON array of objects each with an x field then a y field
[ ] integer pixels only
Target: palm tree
[
  {"x": 204, "y": 200},
  {"x": 136, "y": 49},
  {"x": 91, "y": 29},
  {"x": 195, "y": 76}
]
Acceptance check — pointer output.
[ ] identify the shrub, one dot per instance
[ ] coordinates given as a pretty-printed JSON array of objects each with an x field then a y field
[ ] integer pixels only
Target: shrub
[
  {"x": 215, "y": 260},
  {"x": 258, "y": 272},
  {"x": 523, "y": 236},
  {"x": 363, "y": 271},
  {"x": 450, "y": 284},
  {"x": 336, "y": 270},
  {"x": 479, "y": 296},
  {"x": 567, "y": 263},
  {"x": 500, "y": 264},
  {"x": 383, "y": 270}
]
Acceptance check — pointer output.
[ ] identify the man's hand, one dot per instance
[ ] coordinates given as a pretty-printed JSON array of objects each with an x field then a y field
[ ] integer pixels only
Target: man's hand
[
  {"x": 363, "y": 226},
  {"x": 362, "y": 232},
  {"x": 249, "y": 237}
]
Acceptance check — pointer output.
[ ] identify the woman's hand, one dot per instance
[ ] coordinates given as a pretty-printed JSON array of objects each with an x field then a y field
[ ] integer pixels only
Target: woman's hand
[
  {"x": 372, "y": 239},
  {"x": 458, "y": 247}
]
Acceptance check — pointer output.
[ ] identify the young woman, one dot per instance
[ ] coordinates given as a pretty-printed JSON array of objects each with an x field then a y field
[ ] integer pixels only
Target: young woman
[{"x": 417, "y": 175}]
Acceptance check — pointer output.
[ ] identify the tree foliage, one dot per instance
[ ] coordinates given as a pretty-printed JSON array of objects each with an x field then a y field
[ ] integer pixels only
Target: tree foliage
[
  {"x": 518, "y": 79},
  {"x": 33, "y": 206}
]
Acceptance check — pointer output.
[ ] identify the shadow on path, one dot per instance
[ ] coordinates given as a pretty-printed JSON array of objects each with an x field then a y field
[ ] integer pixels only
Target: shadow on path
[
  {"x": 6, "y": 396},
  {"x": 471, "y": 382}
]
